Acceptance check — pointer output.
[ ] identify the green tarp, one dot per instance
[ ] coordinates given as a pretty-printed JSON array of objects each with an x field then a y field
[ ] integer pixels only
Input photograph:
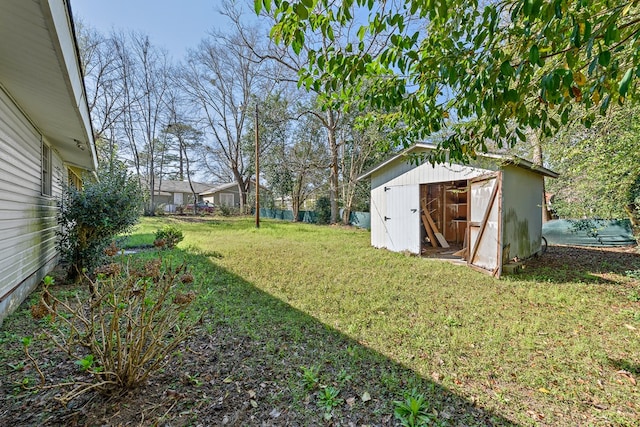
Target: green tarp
[{"x": 593, "y": 232}]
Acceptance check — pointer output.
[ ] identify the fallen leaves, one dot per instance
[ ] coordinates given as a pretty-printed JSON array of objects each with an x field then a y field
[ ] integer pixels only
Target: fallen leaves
[{"x": 627, "y": 375}]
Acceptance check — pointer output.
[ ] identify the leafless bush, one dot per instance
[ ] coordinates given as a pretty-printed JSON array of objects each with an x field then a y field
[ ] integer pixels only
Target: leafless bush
[{"x": 127, "y": 330}]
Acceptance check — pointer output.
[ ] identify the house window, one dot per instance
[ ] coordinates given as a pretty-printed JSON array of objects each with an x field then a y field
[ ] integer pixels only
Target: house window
[
  {"x": 74, "y": 180},
  {"x": 46, "y": 170},
  {"x": 226, "y": 199}
]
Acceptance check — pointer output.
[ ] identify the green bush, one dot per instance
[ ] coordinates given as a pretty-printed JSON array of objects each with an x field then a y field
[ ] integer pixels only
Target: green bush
[
  {"x": 226, "y": 210},
  {"x": 137, "y": 317},
  {"x": 323, "y": 210},
  {"x": 90, "y": 217},
  {"x": 168, "y": 237}
]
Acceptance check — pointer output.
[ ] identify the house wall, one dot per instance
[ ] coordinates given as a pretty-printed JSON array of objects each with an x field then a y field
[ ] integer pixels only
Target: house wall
[
  {"x": 27, "y": 219},
  {"x": 215, "y": 198},
  {"x": 522, "y": 192}
]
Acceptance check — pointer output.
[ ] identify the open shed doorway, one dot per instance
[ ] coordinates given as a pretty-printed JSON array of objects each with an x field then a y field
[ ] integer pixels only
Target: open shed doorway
[{"x": 444, "y": 213}]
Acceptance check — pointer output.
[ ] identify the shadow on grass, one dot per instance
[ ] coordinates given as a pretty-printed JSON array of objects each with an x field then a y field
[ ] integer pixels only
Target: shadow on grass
[
  {"x": 625, "y": 365},
  {"x": 257, "y": 361},
  {"x": 562, "y": 264}
]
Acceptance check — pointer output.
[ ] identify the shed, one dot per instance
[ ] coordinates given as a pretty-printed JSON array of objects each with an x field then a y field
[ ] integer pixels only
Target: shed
[
  {"x": 487, "y": 212},
  {"x": 46, "y": 138}
]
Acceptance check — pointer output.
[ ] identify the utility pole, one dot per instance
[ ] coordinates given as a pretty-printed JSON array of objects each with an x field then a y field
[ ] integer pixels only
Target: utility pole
[{"x": 257, "y": 171}]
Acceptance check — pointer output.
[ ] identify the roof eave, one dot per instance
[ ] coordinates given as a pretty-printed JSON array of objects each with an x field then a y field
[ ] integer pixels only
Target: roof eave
[{"x": 514, "y": 160}]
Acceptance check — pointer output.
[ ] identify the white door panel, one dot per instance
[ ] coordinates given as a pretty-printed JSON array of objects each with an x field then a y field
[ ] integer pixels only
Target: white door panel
[{"x": 403, "y": 218}]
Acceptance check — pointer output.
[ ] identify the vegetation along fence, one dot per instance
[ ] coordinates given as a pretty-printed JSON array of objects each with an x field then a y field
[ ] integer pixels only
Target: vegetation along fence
[{"x": 358, "y": 219}]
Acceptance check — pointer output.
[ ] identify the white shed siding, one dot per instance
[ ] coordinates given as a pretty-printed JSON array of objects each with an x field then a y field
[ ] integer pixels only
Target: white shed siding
[
  {"x": 27, "y": 219},
  {"x": 407, "y": 174},
  {"x": 522, "y": 212}
]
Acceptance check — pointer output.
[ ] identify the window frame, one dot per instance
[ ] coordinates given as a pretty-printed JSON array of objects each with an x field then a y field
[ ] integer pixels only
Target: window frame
[{"x": 46, "y": 171}]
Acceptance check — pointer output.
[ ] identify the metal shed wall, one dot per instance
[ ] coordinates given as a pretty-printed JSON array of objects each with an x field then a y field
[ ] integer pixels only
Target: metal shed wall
[
  {"x": 522, "y": 192},
  {"x": 27, "y": 219}
]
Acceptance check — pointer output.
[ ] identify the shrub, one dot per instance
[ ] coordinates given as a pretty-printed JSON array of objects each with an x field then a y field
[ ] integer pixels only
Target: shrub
[
  {"x": 226, "y": 210},
  {"x": 323, "y": 210},
  {"x": 168, "y": 237},
  {"x": 128, "y": 330},
  {"x": 90, "y": 217}
]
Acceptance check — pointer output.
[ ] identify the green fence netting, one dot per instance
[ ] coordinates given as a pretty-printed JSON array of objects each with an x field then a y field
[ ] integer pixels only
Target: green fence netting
[{"x": 358, "y": 219}]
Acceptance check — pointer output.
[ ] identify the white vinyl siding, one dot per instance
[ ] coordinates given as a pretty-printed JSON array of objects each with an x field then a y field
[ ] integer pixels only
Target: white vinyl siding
[{"x": 27, "y": 218}]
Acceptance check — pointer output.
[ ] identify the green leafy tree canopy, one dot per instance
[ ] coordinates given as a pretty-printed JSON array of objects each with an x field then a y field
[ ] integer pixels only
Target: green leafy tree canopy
[{"x": 482, "y": 71}]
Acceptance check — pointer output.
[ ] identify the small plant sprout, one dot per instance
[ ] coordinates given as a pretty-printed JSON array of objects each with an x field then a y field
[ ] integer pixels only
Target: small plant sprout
[
  {"x": 328, "y": 399},
  {"x": 26, "y": 342},
  {"x": 310, "y": 377},
  {"x": 86, "y": 363},
  {"x": 413, "y": 410}
]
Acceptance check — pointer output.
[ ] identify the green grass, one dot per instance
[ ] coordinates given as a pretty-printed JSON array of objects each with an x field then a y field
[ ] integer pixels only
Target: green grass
[
  {"x": 508, "y": 345},
  {"x": 324, "y": 312}
]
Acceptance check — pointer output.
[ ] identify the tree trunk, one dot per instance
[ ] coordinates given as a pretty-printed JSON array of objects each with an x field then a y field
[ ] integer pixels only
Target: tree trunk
[
  {"x": 333, "y": 176},
  {"x": 536, "y": 146}
]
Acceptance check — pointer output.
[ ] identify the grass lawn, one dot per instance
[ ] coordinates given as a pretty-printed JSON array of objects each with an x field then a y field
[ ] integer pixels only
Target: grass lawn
[{"x": 310, "y": 325}]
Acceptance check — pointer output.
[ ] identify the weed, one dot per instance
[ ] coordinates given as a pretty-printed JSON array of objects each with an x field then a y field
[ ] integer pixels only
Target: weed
[
  {"x": 328, "y": 399},
  {"x": 18, "y": 366},
  {"x": 310, "y": 377},
  {"x": 344, "y": 377},
  {"x": 413, "y": 411}
]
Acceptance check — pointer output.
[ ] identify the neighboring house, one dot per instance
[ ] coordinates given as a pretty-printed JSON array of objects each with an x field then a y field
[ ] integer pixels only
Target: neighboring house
[
  {"x": 490, "y": 209},
  {"x": 173, "y": 194},
  {"x": 45, "y": 138},
  {"x": 226, "y": 194}
]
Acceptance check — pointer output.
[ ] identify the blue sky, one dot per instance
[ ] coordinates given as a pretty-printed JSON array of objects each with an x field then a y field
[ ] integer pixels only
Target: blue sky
[{"x": 174, "y": 25}]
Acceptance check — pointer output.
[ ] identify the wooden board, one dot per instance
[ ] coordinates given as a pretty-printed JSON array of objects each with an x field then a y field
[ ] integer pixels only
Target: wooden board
[
  {"x": 432, "y": 238},
  {"x": 436, "y": 232}
]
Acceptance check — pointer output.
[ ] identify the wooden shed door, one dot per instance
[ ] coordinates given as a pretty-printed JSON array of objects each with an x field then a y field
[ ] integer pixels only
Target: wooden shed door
[
  {"x": 485, "y": 224},
  {"x": 403, "y": 218}
]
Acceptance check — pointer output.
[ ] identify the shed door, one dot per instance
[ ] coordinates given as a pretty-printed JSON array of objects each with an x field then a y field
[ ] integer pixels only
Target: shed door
[
  {"x": 403, "y": 218},
  {"x": 485, "y": 235}
]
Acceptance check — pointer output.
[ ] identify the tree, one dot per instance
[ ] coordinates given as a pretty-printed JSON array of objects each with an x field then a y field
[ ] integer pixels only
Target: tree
[
  {"x": 484, "y": 71},
  {"x": 601, "y": 167},
  {"x": 297, "y": 169},
  {"x": 187, "y": 139},
  {"x": 329, "y": 108},
  {"x": 223, "y": 80},
  {"x": 360, "y": 150}
]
